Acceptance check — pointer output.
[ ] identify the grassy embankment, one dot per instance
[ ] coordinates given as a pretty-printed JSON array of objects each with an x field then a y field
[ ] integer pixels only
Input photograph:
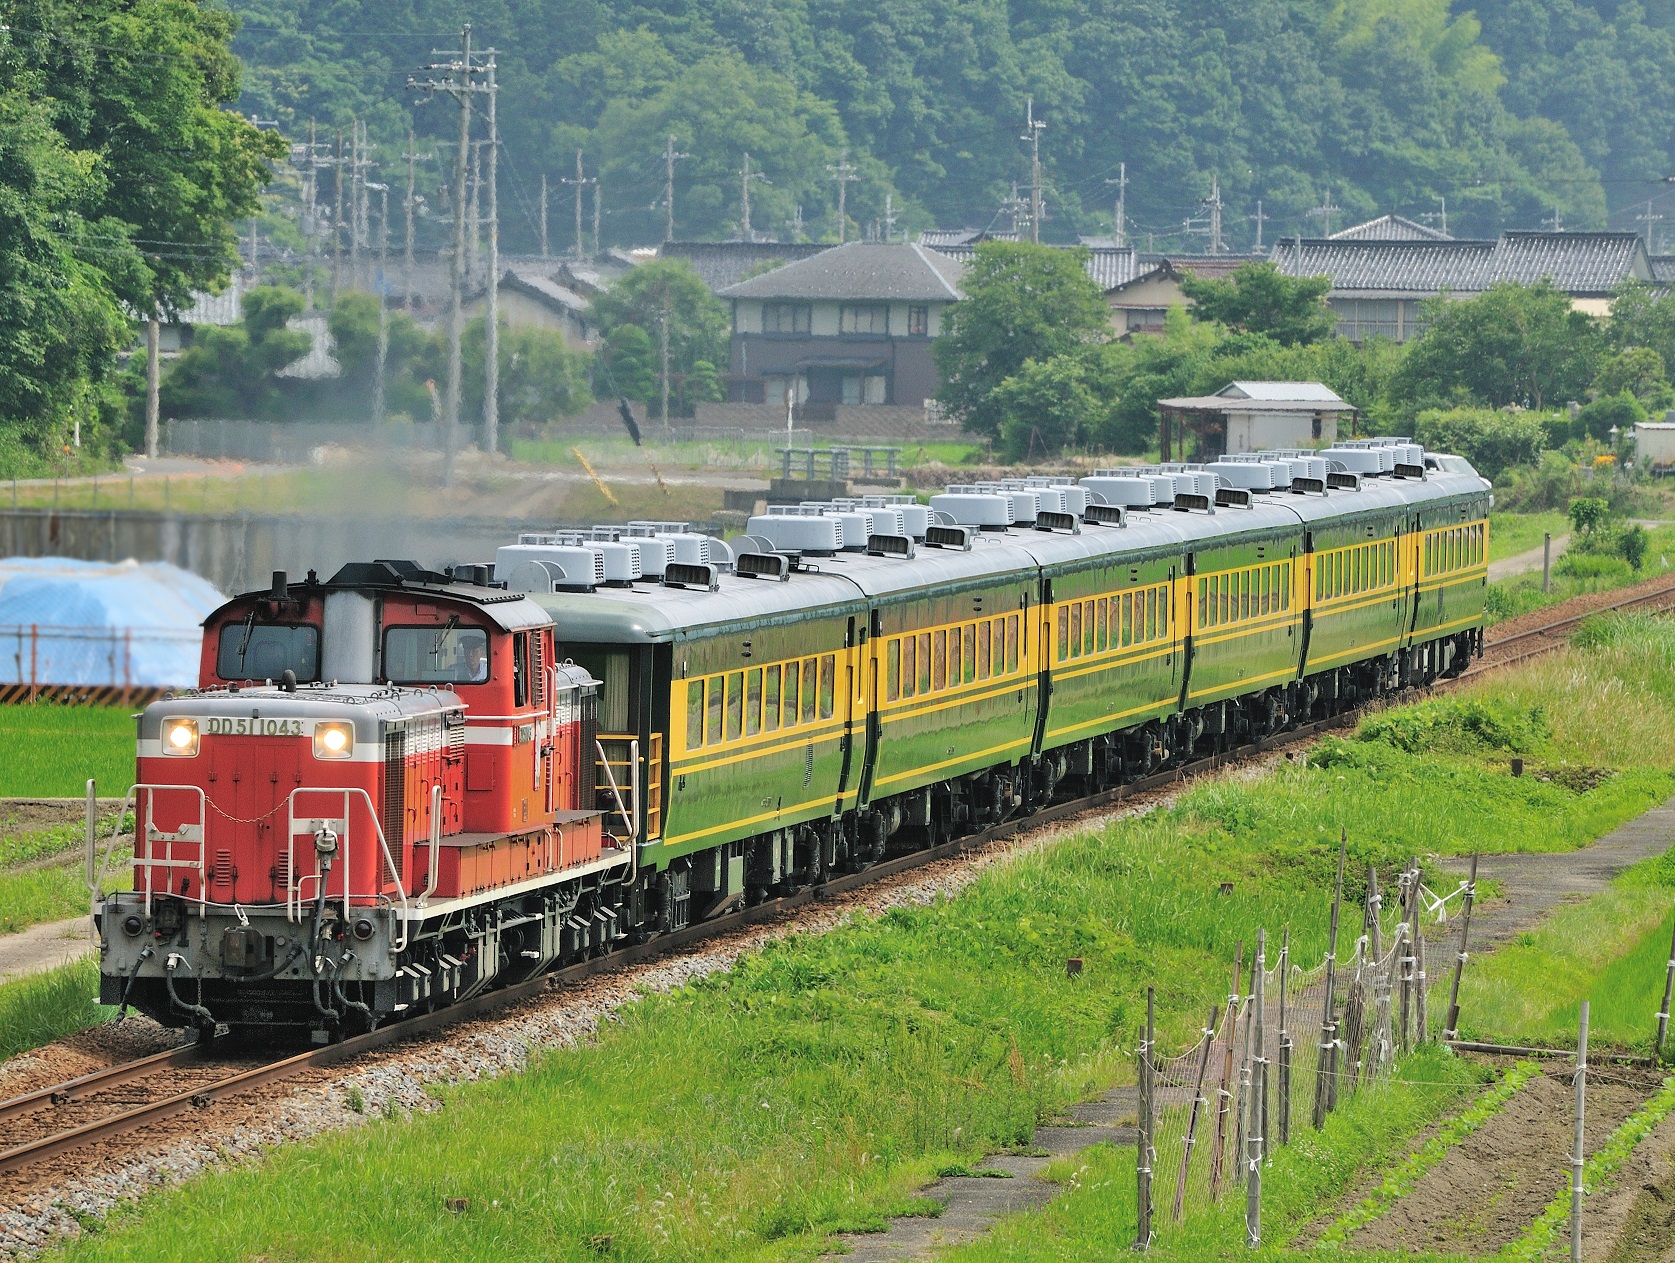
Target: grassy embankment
[
  {"x": 1574, "y": 574},
  {"x": 826, "y": 1078},
  {"x": 49, "y": 752}
]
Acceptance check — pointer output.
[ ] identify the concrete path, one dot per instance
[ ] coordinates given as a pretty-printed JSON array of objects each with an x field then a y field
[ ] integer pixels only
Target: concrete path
[
  {"x": 972, "y": 1203},
  {"x": 43, "y": 947},
  {"x": 1523, "y": 563},
  {"x": 1533, "y": 887}
]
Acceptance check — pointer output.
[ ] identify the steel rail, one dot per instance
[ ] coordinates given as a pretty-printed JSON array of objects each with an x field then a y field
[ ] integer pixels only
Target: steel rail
[
  {"x": 664, "y": 944},
  {"x": 99, "y": 1080}
]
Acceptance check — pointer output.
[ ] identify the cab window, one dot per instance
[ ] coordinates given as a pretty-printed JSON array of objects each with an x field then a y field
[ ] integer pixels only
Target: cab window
[
  {"x": 436, "y": 655},
  {"x": 250, "y": 651}
]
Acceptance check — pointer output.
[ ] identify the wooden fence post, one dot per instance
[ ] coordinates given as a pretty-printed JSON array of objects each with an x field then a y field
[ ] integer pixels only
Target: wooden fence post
[
  {"x": 1197, "y": 1109},
  {"x": 1452, "y": 1029},
  {"x": 1147, "y": 1151},
  {"x": 1577, "y": 1159},
  {"x": 1254, "y": 1113},
  {"x": 1328, "y": 1026}
]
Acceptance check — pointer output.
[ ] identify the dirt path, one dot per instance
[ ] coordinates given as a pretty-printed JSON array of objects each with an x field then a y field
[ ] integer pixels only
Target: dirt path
[
  {"x": 42, "y": 947},
  {"x": 1524, "y": 562}
]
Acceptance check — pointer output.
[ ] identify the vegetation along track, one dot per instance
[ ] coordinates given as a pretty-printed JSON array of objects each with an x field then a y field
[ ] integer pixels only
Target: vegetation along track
[{"x": 93, "y": 1107}]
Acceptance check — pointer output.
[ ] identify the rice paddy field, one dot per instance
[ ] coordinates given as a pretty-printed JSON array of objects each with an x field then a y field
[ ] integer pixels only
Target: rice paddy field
[
  {"x": 49, "y": 751},
  {"x": 824, "y": 1080}
]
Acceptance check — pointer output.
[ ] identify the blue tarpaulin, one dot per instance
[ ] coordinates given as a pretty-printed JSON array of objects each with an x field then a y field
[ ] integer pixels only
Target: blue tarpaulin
[{"x": 127, "y": 624}]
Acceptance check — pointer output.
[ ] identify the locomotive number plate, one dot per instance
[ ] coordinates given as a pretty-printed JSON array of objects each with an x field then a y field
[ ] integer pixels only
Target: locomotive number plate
[{"x": 230, "y": 727}]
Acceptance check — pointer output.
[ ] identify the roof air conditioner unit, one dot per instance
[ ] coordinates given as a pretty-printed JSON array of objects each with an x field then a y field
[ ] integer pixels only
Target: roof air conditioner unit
[
  {"x": 583, "y": 564},
  {"x": 1247, "y": 474},
  {"x": 970, "y": 507},
  {"x": 1136, "y": 493},
  {"x": 799, "y": 534},
  {"x": 1359, "y": 460}
]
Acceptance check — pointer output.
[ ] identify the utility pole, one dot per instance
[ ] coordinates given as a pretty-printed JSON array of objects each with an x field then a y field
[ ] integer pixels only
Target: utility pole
[
  {"x": 153, "y": 338},
  {"x": 845, "y": 175},
  {"x": 255, "y": 263},
  {"x": 889, "y": 218},
  {"x": 544, "y": 215},
  {"x": 1260, "y": 219},
  {"x": 311, "y": 224},
  {"x": 1119, "y": 220},
  {"x": 1215, "y": 213},
  {"x": 337, "y": 216},
  {"x": 474, "y": 256},
  {"x": 354, "y": 203},
  {"x": 1324, "y": 213},
  {"x": 598, "y": 246},
  {"x": 491, "y": 331},
  {"x": 1033, "y": 129},
  {"x": 407, "y": 261},
  {"x": 748, "y": 175},
  {"x": 458, "y": 85},
  {"x": 383, "y": 191},
  {"x": 580, "y": 182},
  {"x": 1555, "y": 224},
  {"x": 670, "y": 157},
  {"x": 1648, "y": 219},
  {"x": 663, "y": 353}
]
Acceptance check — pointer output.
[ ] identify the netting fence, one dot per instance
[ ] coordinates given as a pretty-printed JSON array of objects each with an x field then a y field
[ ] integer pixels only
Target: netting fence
[{"x": 1288, "y": 1046}]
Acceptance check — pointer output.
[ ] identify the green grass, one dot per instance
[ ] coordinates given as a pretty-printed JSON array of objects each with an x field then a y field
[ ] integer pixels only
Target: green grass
[
  {"x": 1610, "y": 951},
  {"x": 43, "y": 1007},
  {"x": 43, "y": 894},
  {"x": 1514, "y": 533},
  {"x": 825, "y": 1079},
  {"x": 737, "y": 453},
  {"x": 49, "y": 751},
  {"x": 1095, "y": 1217},
  {"x": 1577, "y": 575}
]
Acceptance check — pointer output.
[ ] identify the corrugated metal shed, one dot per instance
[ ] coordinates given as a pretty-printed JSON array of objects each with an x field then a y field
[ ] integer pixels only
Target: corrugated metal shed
[{"x": 86, "y": 623}]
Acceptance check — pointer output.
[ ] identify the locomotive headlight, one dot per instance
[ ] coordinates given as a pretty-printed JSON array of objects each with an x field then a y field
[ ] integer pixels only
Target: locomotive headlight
[
  {"x": 334, "y": 740},
  {"x": 180, "y": 737}
]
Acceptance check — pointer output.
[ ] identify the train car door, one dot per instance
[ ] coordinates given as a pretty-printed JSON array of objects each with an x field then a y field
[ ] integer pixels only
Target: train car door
[{"x": 847, "y": 713}]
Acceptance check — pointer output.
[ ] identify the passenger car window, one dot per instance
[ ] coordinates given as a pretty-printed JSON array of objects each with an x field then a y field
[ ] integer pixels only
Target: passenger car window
[{"x": 694, "y": 714}]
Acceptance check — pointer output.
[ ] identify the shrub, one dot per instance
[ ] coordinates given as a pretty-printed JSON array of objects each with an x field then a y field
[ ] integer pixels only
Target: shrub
[
  {"x": 1596, "y": 420},
  {"x": 1462, "y": 725},
  {"x": 1492, "y": 441}
]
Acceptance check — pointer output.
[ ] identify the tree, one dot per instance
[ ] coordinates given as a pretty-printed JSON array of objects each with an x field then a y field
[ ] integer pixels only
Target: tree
[
  {"x": 699, "y": 328},
  {"x": 628, "y": 364},
  {"x": 1597, "y": 419},
  {"x": 1021, "y": 302},
  {"x": 139, "y": 87},
  {"x": 1492, "y": 441},
  {"x": 542, "y": 378},
  {"x": 1588, "y": 514},
  {"x": 1043, "y": 407},
  {"x": 1512, "y": 344},
  {"x": 1259, "y": 298},
  {"x": 60, "y": 326},
  {"x": 229, "y": 372},
  {"x": 1637, "y": 371}
]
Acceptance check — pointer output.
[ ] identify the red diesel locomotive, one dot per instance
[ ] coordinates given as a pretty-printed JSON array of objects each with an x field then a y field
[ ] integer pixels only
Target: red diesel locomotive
[{"x": 380, "y": 799}]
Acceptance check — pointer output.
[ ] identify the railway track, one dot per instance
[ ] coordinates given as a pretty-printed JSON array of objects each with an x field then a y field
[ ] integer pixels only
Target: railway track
[{"x": 194, "y": 1077}]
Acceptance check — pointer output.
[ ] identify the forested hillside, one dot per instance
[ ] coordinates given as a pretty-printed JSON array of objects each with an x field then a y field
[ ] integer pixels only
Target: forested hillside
[{"x": 1372, "y": 104}]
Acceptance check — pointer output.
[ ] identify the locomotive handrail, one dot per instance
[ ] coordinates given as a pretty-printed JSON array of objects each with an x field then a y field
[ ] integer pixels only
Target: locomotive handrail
[
  {"x": 150, "y": 860},
  {"x": 293, "y": 883},
  {"x": 435, "y": 873}
]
